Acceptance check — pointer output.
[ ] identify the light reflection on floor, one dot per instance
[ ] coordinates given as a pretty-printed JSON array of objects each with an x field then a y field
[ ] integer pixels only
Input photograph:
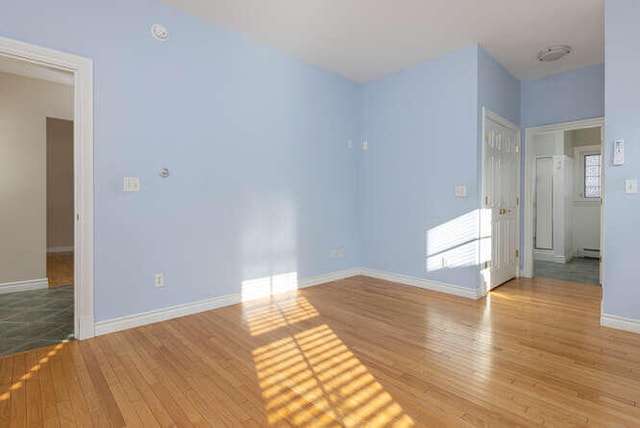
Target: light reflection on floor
[{"x": 311, "y": 378}]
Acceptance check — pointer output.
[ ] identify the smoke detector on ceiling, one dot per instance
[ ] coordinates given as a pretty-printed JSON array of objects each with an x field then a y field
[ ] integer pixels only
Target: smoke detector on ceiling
[
  {"x": 554, "y": 53},
  {"x": 159, "y": 32}
]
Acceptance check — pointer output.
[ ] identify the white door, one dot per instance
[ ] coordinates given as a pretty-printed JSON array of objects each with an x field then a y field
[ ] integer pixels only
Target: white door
[
  {"x": 500, "y": 200},
  {"x": 544, "y": 204}
]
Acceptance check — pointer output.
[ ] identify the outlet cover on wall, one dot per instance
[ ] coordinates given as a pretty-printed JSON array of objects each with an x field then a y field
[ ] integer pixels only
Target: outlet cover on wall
[
  {"x": 159, "y": 281},
  {"x": 341, "y": 252}
]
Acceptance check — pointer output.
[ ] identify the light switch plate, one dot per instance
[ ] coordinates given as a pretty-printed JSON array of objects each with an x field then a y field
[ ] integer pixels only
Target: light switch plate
[
  {"x": 461, "y": 191},
  {"x": 631, "y": 187},
  {"x": 131, "y": 184}
]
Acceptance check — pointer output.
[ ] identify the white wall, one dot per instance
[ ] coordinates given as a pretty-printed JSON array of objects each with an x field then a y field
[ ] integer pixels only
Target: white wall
[
  {"x": 586, "y": 213},
  {"x": 25, "y": 104}
]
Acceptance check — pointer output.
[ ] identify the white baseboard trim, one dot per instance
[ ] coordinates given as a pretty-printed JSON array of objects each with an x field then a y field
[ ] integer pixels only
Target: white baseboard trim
[
  {"x": 543, "y": 255},
  {"x": 157, "y": 315},
  {"x": 60, "y": 250},
  {"x": 150, "y": 317},
  {"x": 620, "y": 323},
  {"x": 33, "y": 284},
  {"x": 427, "y": 284}
]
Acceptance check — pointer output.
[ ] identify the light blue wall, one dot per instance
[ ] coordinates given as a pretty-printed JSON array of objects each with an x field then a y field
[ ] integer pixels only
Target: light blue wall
[
  {"x": 262, "y": 182},
  {"x": 421, "y": 125},
  {"x": 498, "y": 90},
  {"x": 622, "y": 234},
  {"x": 563, "y": 97}
]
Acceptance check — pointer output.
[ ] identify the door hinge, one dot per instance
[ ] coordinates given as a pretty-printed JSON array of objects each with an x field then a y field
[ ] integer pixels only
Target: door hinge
[
  {"x": 517, "y": 253},
  {"x": 486, "y": 265},
  {"x": 486, "y": 200},
  {"x": 486, "y": 137},
  {"x": 517, "y": 149},
  {"x": 517, "y": 200}
]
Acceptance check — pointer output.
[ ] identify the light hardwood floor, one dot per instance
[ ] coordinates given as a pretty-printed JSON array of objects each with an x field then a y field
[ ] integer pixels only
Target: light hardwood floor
[
  {"x": 60, "y": 269},
  {"x": 354, "y": 352}
]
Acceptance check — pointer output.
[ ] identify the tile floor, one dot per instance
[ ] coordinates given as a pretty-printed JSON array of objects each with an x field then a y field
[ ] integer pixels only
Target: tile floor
[
  {"x": 32, "y": 319},
  {"x": 584, "y": 271}
]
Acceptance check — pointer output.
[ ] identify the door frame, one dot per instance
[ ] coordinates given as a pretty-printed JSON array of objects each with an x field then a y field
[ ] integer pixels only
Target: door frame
[
  {"x": 83, "y": 147},
  {"x": 488, "y": 114},
  {"x": 529, "y": 180}
]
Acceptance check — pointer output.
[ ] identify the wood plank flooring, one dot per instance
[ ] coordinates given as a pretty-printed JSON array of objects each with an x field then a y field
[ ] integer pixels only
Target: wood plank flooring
[
  {"x": 60, "y": 269},
  {"x": 356, "y": 352}
]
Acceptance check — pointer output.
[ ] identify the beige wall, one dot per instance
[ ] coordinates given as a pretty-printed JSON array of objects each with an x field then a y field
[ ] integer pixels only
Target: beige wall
[
  {"x": 25, "y": 105},
  {"x": 60, "y": 209}
]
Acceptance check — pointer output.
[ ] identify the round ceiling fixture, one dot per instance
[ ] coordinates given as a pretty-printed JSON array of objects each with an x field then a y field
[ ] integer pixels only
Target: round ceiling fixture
[
  {"x": 554, "y": 53},
  {"x": 160, "y": 32}
]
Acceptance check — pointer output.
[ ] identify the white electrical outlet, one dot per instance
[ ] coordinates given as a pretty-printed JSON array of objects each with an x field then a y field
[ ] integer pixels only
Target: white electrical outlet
[
  {"x": 159, "y": 280},
  {"x": 341, "y": 252},
  {"x": 365, "y": 145},
  {"x": 349, "y": 144},
  {"x": 334, "y": 254}
]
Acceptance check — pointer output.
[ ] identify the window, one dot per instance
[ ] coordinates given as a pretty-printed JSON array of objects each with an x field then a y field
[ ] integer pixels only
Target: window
[{"x": 592, "y": 179}]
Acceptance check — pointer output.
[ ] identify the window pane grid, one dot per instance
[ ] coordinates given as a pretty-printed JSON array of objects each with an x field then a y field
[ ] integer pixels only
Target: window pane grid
[{"x": 592, "y": 179}]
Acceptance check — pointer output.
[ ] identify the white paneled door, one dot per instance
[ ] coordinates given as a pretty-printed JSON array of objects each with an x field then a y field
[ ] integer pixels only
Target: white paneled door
[{"x": 501, "y": 185}]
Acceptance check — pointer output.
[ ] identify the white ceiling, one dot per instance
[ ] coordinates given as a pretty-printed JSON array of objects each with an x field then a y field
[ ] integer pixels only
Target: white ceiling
[
  {"x": 34, "y": 71},
  {"x": 366, "y": 39}
]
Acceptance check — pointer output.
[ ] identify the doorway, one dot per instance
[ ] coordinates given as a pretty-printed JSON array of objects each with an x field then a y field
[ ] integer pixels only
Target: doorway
[
  {"x": 564, "y": 196},
  {"x": 46, "y": 64}
]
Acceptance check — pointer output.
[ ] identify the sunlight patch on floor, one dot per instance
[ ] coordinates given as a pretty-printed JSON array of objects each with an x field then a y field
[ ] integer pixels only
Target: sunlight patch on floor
[
  {"x": 25, "y": 377},
  {"x": 270, "y": 314},
  {"x": 312, "y": 378}
]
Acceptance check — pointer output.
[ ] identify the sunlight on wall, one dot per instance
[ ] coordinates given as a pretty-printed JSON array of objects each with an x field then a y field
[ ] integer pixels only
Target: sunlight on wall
[
  {"x": 33, "y": 370},
  {"x": 454, "y": 243},
  {"x": 262, "y": 316},
  {"x": 268, "y": 286},
  {"x": 312, "y": 379},
  {"x": 486, "y": 247}
]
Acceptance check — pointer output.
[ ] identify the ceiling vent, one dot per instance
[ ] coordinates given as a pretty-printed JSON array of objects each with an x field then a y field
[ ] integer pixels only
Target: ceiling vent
[{"x": 554, "y": 53}]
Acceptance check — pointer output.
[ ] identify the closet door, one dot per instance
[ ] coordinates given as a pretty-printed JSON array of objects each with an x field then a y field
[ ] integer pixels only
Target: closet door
[{"x": 544, "y": 203}]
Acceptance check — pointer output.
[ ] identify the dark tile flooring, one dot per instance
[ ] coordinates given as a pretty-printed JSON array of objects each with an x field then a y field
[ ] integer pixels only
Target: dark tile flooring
[
  {"x": 584, "y": 271},
  {"x": 32, "y": 319}
]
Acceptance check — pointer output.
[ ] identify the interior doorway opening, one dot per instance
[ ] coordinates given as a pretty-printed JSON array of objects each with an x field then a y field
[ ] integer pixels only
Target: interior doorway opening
[
  {"x": 31, "y": 61},
  {"x": 564, "y": 202}
]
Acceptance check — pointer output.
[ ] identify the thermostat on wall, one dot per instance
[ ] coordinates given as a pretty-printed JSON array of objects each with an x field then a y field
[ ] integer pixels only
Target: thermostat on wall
[{"x": 618, "y": 152}]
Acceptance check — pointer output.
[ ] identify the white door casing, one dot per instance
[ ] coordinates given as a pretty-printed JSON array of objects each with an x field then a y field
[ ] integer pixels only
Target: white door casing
[{"x": 500, "y": 234}]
